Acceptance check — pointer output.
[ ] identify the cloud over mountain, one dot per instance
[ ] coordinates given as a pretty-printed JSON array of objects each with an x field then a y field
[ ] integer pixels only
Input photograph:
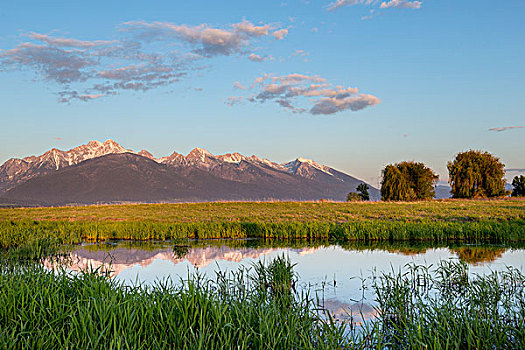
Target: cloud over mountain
[
  {"x": 143, "y": 58},
  {"x": 295, "y": 91}
]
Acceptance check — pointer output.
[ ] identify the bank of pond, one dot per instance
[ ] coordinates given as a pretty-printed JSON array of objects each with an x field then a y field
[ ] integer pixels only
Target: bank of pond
[{"x": 15, "y": 233}]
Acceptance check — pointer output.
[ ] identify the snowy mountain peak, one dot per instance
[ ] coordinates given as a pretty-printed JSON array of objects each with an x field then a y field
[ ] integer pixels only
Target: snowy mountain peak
[
  {"x": 198, "y": 154},
  {"x": 113, "y": 147},
  {"x": 230, "y": 166},
  {"x": 231, "y": 158},
  {"x": 94, "y": 143},
  {"x": 146, "y": 154},
  {"x": 200, "y": 151},
  {"x": 300, "y": 166}
]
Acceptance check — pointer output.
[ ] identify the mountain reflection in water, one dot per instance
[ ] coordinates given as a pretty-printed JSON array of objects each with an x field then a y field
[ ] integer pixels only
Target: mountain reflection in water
[
  {"x": 123, "y": 255},
  {"x": 333, "y": 273},
  {"x": 120, "y": 259}
]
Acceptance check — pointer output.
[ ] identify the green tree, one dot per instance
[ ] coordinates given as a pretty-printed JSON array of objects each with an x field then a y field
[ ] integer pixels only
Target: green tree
[
  {"x": 362, "y": 190},
  {"x": 476, "y": 174},
  {"x": 353, "y": 197},
  {"x": 519, "y": 186},
  {"x": 407, "y": 181}
]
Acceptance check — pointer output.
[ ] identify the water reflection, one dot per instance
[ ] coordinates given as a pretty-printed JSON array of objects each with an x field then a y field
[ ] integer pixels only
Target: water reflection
[
  {"x": 478, "y": 255},
  {"x": 122, "y": 257},
  {"x": 200, "y": 254},
  {"x": 332, "y": 272},
  {"x": 355, "y": 312}
]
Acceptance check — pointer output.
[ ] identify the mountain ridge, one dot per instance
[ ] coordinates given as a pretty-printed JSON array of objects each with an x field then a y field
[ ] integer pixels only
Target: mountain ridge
[{"x": 230, "y": 176}]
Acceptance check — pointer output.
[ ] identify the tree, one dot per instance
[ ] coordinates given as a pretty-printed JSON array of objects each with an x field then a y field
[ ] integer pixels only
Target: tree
[
  {"x": 476, "y": 174},
  {"x": 519, "y": 186},
  {"x": 407, "y": 181},
  {"x": 363, "y": 191},
  {"x": 353, "y": 197}
]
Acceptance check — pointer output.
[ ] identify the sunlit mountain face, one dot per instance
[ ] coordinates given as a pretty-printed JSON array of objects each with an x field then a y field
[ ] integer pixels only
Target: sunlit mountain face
[{"x": 110, "y": 173}]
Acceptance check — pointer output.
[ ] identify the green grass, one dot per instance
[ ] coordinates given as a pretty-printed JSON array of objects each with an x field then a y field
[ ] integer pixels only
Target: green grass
[
  {"x": 336, "y": 212},
  {"x": 498, "y": 221},
  {"x": 448, "y": 308},
  {"x": 258, "y": 308},
  {"x": 261, "y": 308}
]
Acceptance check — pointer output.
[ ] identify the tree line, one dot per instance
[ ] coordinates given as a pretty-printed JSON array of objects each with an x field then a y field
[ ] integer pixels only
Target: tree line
[{"x": 472, "y": 174}]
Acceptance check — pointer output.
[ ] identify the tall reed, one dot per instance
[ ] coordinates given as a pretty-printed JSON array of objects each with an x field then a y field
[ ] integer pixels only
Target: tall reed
[
  {"x": 258, "y": 308},
  {"x": 15, "y": 233},
  {"x": 40, "y": 309}
]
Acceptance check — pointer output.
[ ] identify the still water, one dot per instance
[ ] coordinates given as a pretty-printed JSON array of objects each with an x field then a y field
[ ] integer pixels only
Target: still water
[{"x": 334, "y": 272}]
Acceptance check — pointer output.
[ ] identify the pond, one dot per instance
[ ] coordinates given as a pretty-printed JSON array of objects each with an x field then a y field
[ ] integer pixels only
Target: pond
[{"x": 334, "y": 273}]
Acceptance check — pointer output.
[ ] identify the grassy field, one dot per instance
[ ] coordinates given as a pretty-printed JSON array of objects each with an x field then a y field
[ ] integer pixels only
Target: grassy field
[
  {"x": 443, "y": 210},
  {"x": 497, "y": 221},
  {"x": 261, "y": 308}
]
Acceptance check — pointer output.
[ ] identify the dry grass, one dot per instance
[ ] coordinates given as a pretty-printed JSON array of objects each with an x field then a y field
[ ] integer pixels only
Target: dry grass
[{"x": 442, "y": 210}]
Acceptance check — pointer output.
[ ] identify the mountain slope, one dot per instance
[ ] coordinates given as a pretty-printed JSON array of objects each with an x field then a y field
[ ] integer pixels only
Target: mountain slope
[
  {"x": 108, "y": 172},
  {"x": 130, "y": 177},
  {"x": 16, "y": 171}
]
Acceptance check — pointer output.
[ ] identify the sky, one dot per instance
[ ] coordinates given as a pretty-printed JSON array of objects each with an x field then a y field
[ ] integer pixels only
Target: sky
[{"x": 353, "y": 84}]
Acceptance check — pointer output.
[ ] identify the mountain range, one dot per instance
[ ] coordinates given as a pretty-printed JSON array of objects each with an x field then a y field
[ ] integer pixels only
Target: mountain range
[{"x": 109, "y": 173}]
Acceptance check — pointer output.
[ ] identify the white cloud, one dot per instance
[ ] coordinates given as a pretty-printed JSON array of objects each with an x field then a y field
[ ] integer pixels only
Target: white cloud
[
  {"x": 234, "y": 100},
  {"x": 505, "y": 128},
  {"x": 63, "y": 42},
  {"x": 301, "y": 53},
  {"x": 250, "y": 29},
  {"x": 405, "y": 4},
  {"x": 341, "y": 3},
  {"x": 63, "y": 66},
  {"x": 67, "y": 96},
  {"x": 280, "y": 34},
  {"x": 207, "y": 41},
  {"x": 331, "y": 105},
  {"x": 143, "y": 58},
  {"x": 294, "y": 91},
  {"x": 239, "y": 86},
  {"x": 256, "y": 58}
]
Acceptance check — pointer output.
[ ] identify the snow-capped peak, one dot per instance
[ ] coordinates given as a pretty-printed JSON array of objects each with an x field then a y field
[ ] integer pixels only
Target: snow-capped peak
[
  {"x": 146, "y": 154},
  {"x": 94, "y": 143},
  {"x": 295, "y": 165},
  {"x": 199, "y": 154},
  {"x": 201, "y": 151},
  {"x": 231, "y": 158},
  {"x": 265, "y": 161}
]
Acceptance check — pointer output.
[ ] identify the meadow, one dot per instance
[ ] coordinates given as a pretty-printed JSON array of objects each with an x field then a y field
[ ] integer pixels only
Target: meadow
[
  {"x": 471, "y": 221},
  {"x": 261, "y": 307}
]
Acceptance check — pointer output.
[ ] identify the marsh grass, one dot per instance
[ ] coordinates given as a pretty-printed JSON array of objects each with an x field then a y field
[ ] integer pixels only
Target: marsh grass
[
  {"x": 257, "y": 307},
  {"x": 42, "y": 309},
  {"x": 16, "y": 233},
  {"x": 446, "y": 308}
]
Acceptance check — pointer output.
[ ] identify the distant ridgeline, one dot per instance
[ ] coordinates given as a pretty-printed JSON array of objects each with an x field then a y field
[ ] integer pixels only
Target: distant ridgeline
[{"x": 109, "y": 173}]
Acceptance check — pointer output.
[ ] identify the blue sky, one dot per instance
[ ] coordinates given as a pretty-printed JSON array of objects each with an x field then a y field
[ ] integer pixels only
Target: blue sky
[{"x": 352, "y": 84}]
